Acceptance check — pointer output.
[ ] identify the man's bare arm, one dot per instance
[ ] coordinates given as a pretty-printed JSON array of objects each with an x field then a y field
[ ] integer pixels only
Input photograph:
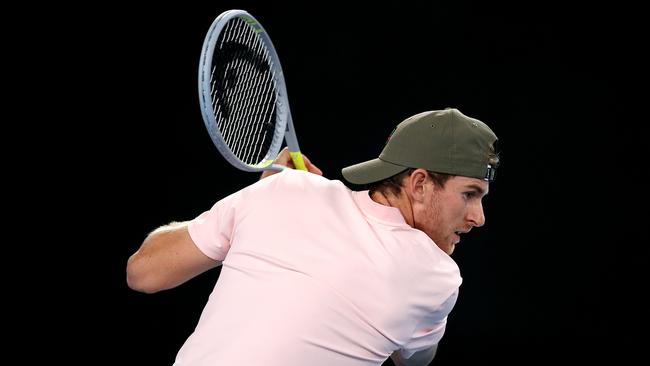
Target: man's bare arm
[{"x": 167, "y": 258}]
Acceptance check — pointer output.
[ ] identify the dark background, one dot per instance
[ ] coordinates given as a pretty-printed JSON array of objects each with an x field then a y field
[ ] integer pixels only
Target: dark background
[{"x": 555, "y": 275}]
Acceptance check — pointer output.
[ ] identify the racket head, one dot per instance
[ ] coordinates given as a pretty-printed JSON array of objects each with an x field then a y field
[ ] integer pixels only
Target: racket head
[{"x": 242, "y": 92}]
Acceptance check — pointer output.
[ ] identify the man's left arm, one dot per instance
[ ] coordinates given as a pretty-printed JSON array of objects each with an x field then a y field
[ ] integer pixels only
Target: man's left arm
[{"x": 419, "y": 358}]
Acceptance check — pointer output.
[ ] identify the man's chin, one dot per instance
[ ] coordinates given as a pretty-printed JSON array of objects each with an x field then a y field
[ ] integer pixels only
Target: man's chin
[{"x": 450, "y": 249}]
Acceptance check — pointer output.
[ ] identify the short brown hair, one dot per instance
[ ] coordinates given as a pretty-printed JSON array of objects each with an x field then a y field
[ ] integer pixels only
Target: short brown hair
[{"x": 393, "y": 185}]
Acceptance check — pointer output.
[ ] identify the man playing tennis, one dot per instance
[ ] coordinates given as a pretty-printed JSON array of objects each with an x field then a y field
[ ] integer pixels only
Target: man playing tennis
[{"x": 316, "y": 274}]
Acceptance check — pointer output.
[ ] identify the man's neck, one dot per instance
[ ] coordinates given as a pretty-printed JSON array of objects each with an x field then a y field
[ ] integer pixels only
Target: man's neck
[{"x": 401, "y": 202}]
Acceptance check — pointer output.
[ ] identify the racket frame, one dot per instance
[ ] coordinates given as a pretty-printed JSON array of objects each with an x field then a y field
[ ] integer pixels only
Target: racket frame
[{"x": 284, "y": 122}]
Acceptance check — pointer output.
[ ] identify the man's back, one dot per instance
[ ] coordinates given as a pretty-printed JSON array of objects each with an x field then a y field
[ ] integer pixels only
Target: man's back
[{"x": 316, "y": 274}]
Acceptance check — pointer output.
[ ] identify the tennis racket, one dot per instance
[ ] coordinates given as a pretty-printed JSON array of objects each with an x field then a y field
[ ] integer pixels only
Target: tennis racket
[{"x": 243, "y": 94}]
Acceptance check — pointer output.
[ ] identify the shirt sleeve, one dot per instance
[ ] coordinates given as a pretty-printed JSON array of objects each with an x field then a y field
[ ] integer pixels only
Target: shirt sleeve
[
  {"x": 212, "y": 230},
  {"x": 430, "y": 329}
]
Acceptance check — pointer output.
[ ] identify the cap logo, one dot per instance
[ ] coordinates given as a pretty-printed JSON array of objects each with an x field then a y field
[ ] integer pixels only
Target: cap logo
[{"x": 391, "y": 135}]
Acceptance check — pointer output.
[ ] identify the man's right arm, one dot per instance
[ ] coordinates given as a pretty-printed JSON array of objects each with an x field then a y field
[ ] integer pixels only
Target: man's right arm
[
  {"x": 419, "y": 358},
  {"x": 284, "y": 158},
  {"x": 167, "y": 258}
]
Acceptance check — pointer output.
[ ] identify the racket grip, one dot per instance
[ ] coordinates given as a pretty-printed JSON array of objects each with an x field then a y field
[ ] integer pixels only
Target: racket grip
[{"x": 298, "y": 161}]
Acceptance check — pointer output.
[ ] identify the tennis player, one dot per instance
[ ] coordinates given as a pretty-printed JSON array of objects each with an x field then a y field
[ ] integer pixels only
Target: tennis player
[{"x": 317, "y": 274}]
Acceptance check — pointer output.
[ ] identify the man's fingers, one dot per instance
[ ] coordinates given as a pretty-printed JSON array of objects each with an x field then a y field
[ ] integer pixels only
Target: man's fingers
[{"x": 310, "y": 166}]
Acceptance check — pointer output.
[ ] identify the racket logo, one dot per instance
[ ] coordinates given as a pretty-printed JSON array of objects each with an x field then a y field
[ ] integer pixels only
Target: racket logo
[{"x": 228, "y": 63}]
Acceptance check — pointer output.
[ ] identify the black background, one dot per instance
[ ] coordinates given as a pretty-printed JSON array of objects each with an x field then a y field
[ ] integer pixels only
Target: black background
[{"x": 555, "y": 275}]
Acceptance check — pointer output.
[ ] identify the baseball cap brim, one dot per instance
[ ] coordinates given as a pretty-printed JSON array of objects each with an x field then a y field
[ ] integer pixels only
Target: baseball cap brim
[{"x": 371, "y": 171}]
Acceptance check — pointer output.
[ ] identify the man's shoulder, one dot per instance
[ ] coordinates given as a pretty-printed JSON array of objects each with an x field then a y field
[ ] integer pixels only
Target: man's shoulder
[{"x": 303, "y": 179}]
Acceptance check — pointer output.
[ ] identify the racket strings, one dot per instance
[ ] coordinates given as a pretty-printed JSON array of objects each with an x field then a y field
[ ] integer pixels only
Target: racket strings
[
  {"x": 244, "y": 92},
  {"x": 249, "y": 111}
]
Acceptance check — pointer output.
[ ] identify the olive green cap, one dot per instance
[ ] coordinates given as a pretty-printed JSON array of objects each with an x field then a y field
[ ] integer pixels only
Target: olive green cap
[{"x": 444, "y": 141}]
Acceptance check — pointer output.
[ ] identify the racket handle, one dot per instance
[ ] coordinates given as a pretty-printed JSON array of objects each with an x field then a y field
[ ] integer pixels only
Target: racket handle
[{"x": 298, "y": 161}]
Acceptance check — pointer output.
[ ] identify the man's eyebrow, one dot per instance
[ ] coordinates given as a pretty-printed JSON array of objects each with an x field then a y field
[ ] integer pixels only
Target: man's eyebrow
[{"x": 477, "y": 188}]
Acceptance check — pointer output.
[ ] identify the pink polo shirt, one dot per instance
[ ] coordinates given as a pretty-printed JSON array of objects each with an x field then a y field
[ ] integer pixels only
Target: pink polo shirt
[{"x": 316, "y": 274}]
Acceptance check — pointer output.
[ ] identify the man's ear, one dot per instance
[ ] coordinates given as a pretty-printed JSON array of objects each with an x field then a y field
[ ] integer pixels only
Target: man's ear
[{"x": 416, "y": 184}]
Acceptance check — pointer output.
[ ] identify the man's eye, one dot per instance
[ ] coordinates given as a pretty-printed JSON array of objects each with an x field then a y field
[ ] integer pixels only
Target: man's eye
[{"x": 468, "y": 195}]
